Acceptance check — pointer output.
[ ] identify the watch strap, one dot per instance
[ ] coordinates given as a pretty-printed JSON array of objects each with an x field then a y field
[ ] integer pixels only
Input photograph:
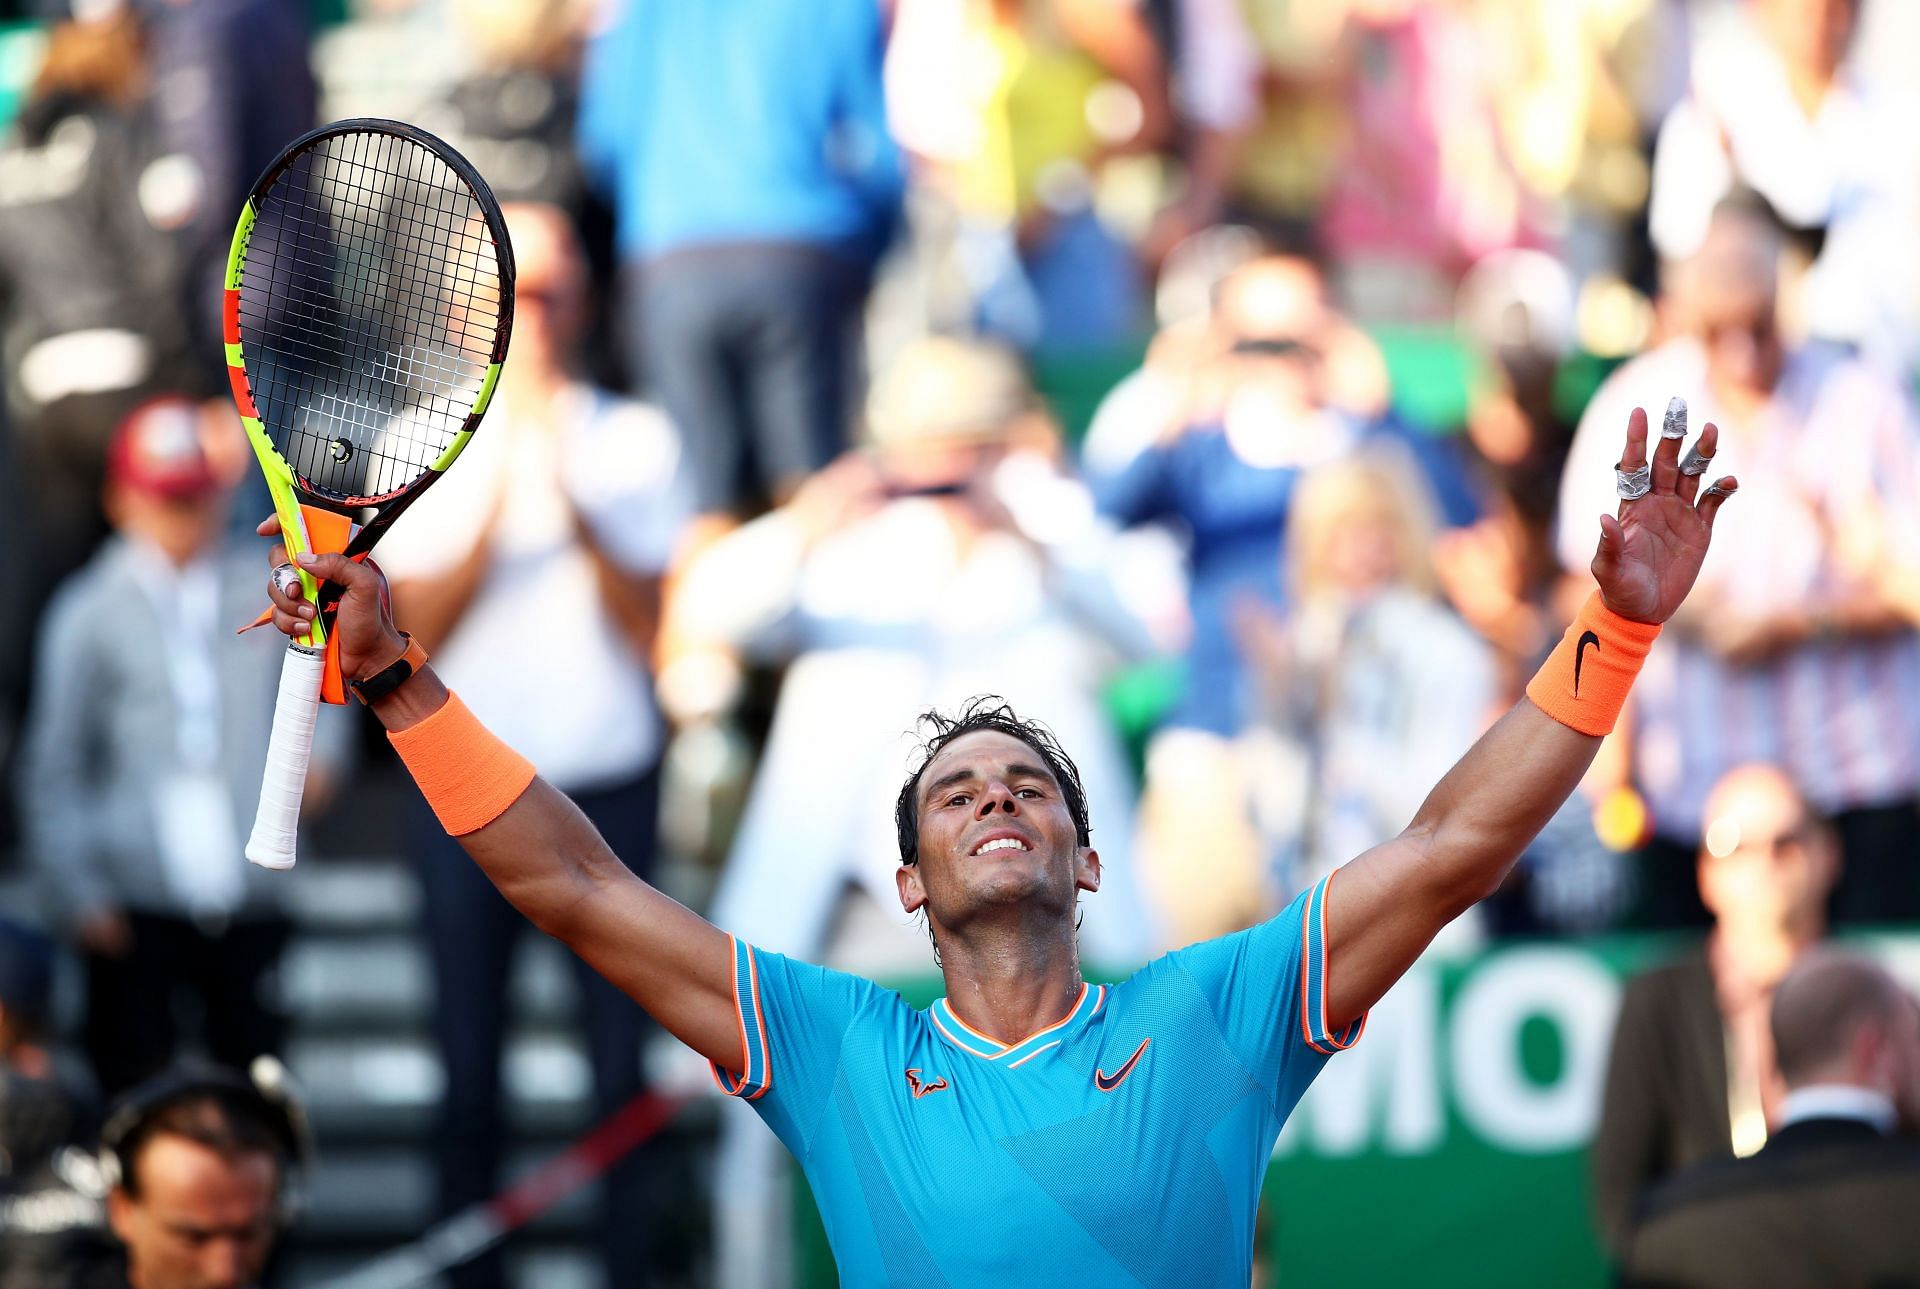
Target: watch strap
[{"x": 371, "y": 689}]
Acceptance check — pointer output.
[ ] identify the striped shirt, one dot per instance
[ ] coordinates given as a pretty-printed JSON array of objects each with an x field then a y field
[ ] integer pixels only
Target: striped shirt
[{"x": 1835, "y": 447}]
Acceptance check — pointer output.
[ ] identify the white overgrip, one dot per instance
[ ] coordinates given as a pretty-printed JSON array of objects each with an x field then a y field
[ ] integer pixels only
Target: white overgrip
[{"x": 294, "y": 713}]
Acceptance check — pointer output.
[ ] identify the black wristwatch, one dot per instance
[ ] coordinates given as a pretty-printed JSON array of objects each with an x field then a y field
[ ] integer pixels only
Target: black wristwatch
[{"x": 372, "y": 689}]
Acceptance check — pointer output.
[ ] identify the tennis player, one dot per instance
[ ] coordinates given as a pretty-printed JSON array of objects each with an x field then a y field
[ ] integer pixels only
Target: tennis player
[{"x": 1030, "y": 1128}]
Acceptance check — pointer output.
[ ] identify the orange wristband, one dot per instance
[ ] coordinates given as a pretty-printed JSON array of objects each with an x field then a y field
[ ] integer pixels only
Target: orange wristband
[
  {"x": 467, "y": 774},
  {"x": 1584, "y": 682}
]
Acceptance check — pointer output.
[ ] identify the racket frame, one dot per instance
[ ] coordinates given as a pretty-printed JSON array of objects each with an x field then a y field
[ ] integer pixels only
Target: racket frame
[{"x": 369, "y": 517}]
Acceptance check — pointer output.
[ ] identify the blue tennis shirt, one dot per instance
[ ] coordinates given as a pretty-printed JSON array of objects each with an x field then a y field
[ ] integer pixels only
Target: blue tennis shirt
[{"x": 1123, "y": 1145}]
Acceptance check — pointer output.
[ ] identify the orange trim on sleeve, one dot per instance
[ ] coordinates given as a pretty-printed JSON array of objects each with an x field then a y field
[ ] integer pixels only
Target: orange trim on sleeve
[
  {"x": 1306, "y": 1030},
  {"x": 760, "y": 1024},
  {"x": 465, "y": 772},
  {"x": 1585, "y": 681}
]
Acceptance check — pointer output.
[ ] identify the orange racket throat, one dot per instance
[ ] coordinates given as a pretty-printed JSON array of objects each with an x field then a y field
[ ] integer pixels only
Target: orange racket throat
[{"x": 329, "y": 534}]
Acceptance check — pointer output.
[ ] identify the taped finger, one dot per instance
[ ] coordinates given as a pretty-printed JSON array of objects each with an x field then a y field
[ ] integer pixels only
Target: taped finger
[
  {"x": 286, "y": 580},
  {"x": 1674, "y": 424}
]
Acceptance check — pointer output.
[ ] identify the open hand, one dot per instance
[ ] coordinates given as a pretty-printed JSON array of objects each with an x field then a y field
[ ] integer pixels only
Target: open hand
[
  {"x": 1650, "y": 553},
  {"x": 363, "y": 626}
]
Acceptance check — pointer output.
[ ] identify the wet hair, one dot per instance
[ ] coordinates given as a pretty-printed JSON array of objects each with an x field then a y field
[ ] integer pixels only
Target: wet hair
[{"x": 985, "y": 712}]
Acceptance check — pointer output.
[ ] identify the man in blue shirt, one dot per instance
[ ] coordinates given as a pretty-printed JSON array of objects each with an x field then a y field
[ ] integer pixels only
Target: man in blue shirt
[
  {"x": 743, "y": 146},
  {"x": 1029, "y": 1128}
]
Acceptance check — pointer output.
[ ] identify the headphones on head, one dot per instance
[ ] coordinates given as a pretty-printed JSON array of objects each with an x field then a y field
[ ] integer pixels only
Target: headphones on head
[{"x": 266, "y": 1092}]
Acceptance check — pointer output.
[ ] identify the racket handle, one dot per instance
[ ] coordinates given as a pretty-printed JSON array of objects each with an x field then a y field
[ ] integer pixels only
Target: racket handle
[{"x": 274, "y": 826}]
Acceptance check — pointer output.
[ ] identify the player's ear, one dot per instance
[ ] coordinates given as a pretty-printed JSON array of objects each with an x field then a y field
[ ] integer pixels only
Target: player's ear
[
  {"x": 913, "y": 895},
  {"x": 1086, "y": 874}
]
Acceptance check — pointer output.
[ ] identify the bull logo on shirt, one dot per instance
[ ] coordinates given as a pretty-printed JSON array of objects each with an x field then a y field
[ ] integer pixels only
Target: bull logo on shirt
[{"x": 922, "y": 1089}]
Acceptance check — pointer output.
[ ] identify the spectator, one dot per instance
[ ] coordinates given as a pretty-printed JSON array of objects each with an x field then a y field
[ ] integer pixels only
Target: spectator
[
  {"x": 1422, "y": 187},
  {"x": 1258, "y": 409},
  {"x": 1831, "y": 1199},
  {"x": 53, "y": 1232},
  {"x": 753, "y": 191},
  {"x": 1260, "y": 89},
  {"x": 232, "y": 85},
  {"x": 951, "y": 559},
  {"x": 1373, "y": 686},
  {"x": 1515, "y": 314},
  {"x": 1792, "y": 649},
  {"x": 515, "y": 114},
  {"x": 1777, "y": 107},
  {"x": 89, "y": 264},
  {"x": 1262, "y": 400},
  {"x": 1688, "y": 1079},
  {"x": 1014, "y": 110},
  {"x": 141, "y": 765},
  {"x": 565, "y": 511},
  {"x": 205, "y": 1164}
]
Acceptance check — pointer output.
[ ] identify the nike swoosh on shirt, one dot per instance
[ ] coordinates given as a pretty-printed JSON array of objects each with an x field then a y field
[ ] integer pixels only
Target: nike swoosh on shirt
[
  {"x": 1106, "y": 1082},
  {"x": 1580, "y": 655}
]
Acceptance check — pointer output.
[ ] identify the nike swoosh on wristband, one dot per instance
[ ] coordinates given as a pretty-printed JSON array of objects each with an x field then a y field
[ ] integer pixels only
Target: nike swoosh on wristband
[
  {"x": 1107, "y": 1083},
  {"x": 1579, "y": 656}
]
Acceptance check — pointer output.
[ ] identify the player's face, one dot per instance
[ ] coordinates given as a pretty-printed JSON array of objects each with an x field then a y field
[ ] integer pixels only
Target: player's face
[
  {"x": 995, "y": 830},
  {"x": 200, "y": 1222}
]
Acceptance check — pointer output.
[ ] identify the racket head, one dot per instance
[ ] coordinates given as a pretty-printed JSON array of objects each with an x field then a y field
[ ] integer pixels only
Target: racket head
[{"x": 368, "y": 306}]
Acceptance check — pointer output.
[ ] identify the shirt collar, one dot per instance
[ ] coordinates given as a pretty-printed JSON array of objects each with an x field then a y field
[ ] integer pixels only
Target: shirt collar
[
  {"x": 1011, "y": 1055},
  {"x": 1838, "y": 1101}
]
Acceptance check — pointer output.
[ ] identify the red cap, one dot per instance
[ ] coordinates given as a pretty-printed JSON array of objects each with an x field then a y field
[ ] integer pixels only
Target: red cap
[{"x": 157, "y": 451}]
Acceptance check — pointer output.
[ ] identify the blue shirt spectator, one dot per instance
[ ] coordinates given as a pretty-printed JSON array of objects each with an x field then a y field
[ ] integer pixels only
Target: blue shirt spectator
[{"x": 742, "y": 120}]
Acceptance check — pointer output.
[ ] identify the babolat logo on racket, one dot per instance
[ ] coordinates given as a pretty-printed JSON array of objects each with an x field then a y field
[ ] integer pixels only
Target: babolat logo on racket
[{"x": 369, "y": 297}]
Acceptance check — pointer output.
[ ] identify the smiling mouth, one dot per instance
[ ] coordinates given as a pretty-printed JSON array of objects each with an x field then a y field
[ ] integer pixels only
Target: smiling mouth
[{"x": 999, "y": 844}]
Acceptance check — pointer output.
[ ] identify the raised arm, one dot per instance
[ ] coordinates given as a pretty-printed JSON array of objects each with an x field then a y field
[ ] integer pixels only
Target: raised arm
[
  {"x": 1385, "y": 907},
  {"x": 544, "y": 855}
]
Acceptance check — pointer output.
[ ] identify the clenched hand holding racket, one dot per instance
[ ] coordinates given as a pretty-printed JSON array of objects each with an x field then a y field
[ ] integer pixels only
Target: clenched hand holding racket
[{"x": 368, "y": 303}]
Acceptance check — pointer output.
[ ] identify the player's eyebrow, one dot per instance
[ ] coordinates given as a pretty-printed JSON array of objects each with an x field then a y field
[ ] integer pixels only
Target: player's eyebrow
[{"x": 1013, "y": 770}]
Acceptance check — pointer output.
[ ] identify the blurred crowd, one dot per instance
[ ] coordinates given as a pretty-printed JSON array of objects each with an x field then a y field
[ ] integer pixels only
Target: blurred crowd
[{"x": 1232, "y": 384}]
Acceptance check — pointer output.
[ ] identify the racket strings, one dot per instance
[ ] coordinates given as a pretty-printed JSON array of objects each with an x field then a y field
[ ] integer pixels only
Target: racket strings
[{"x": 370, "y": 305}]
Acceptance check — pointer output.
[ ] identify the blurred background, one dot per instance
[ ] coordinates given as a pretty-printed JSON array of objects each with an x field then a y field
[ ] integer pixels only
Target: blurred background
[{"x": 1202, "y": 375}]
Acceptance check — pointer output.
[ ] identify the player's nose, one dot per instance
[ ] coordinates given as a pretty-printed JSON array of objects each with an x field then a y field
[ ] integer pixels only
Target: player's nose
[{"x": 996, "y": 796}]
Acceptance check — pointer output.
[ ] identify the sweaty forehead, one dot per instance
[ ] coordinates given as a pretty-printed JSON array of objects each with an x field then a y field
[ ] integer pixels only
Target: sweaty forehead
[{"x": 983, "y": 751}]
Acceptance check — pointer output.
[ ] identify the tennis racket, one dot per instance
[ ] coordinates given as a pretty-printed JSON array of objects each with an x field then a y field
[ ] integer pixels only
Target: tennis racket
[{"x": 369, "y": 298}]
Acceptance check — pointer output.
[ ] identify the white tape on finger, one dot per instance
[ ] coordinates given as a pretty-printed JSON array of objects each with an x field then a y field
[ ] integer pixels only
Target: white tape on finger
[{"x": 288, "y": 750}]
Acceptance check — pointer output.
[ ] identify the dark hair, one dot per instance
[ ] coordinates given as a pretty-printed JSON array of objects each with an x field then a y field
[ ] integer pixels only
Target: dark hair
[
  {"x": 230, "y": 1124},
  {"x": 986, "y": 712}
]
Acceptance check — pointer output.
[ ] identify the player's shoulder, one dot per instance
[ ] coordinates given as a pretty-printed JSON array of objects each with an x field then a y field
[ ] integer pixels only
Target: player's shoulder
[
  {"x": 862, "y": 1001},
  {"x": 1206, "y": 960}
]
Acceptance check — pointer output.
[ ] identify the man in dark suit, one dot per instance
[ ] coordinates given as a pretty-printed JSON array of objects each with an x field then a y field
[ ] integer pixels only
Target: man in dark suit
[
  {"x": 1691, "y": 1052},
  {"x": 1833, "y": 1199}
]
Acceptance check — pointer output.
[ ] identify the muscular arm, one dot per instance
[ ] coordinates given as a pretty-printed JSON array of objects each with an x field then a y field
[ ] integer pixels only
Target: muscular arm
[
  {"x": 544, "y": 855},
  {"x": 1386, "y": 906},
  {"x": 553, "y": 866}
]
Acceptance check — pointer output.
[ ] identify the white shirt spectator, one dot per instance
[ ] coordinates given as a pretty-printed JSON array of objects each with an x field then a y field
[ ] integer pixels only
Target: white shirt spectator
[
  {"x": 1852, "y": 168},
  {"x": 536, "y": 654}
]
